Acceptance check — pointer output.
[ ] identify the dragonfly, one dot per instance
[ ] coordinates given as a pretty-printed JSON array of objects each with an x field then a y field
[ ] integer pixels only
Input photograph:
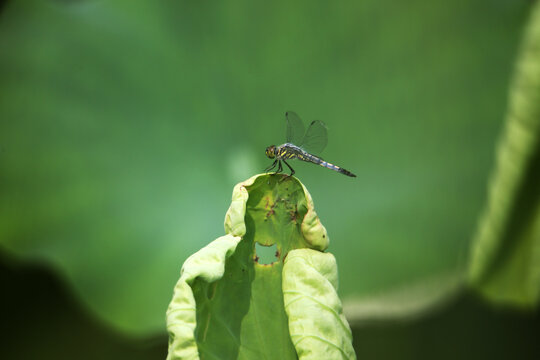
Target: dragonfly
[{"x": 302, "y": 145}]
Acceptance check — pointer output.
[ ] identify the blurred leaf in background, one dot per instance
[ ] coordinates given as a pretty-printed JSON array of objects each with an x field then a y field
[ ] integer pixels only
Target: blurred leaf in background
[
  {"x": 125, "y": 125},
  {"x": 505, "y": 261}
]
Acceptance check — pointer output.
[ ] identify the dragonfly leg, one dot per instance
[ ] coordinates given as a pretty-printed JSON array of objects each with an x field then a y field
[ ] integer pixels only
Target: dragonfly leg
[
  {"x": 279, "y": 169},
  {"x": 289, "y": 166},
  {"x": 271, "y": 166}
]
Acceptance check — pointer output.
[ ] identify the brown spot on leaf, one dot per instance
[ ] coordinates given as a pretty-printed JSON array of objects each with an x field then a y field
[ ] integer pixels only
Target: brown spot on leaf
[{"x": 293, "y": 215}]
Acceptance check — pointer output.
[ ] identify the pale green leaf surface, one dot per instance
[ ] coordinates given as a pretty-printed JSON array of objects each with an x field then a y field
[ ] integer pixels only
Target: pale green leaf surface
[
  {"x": 317, "y": 325},
  {"x": 207, "y": 264},
  {"x": 505, "y": 260},
  {"x": 227, "y": 305}
]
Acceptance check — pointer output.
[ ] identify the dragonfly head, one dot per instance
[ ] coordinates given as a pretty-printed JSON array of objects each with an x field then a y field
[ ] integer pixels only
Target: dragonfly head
[{"x": 271, "y": 151}]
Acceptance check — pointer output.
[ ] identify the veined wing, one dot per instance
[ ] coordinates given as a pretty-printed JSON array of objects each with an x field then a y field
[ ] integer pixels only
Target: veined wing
[
  {"x": 316, "y": 138},
  {"x": 295, "y": 128}
]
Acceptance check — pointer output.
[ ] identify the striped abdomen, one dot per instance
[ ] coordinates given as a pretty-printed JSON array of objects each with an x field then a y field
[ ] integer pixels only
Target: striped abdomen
[{"x": 314, "y": 159}]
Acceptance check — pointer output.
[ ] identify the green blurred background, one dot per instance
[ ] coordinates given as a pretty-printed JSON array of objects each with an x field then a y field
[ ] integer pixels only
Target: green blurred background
[{"x": 125, "y": 125}]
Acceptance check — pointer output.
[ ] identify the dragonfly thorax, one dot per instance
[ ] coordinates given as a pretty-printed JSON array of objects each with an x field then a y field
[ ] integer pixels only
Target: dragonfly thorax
[{"x": 271, "y": 151}]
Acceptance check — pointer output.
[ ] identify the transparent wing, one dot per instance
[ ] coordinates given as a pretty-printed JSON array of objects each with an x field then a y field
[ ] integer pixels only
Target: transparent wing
[
  {"x": 295, "y": 128},
  {"x": 316, "y": 137}
]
